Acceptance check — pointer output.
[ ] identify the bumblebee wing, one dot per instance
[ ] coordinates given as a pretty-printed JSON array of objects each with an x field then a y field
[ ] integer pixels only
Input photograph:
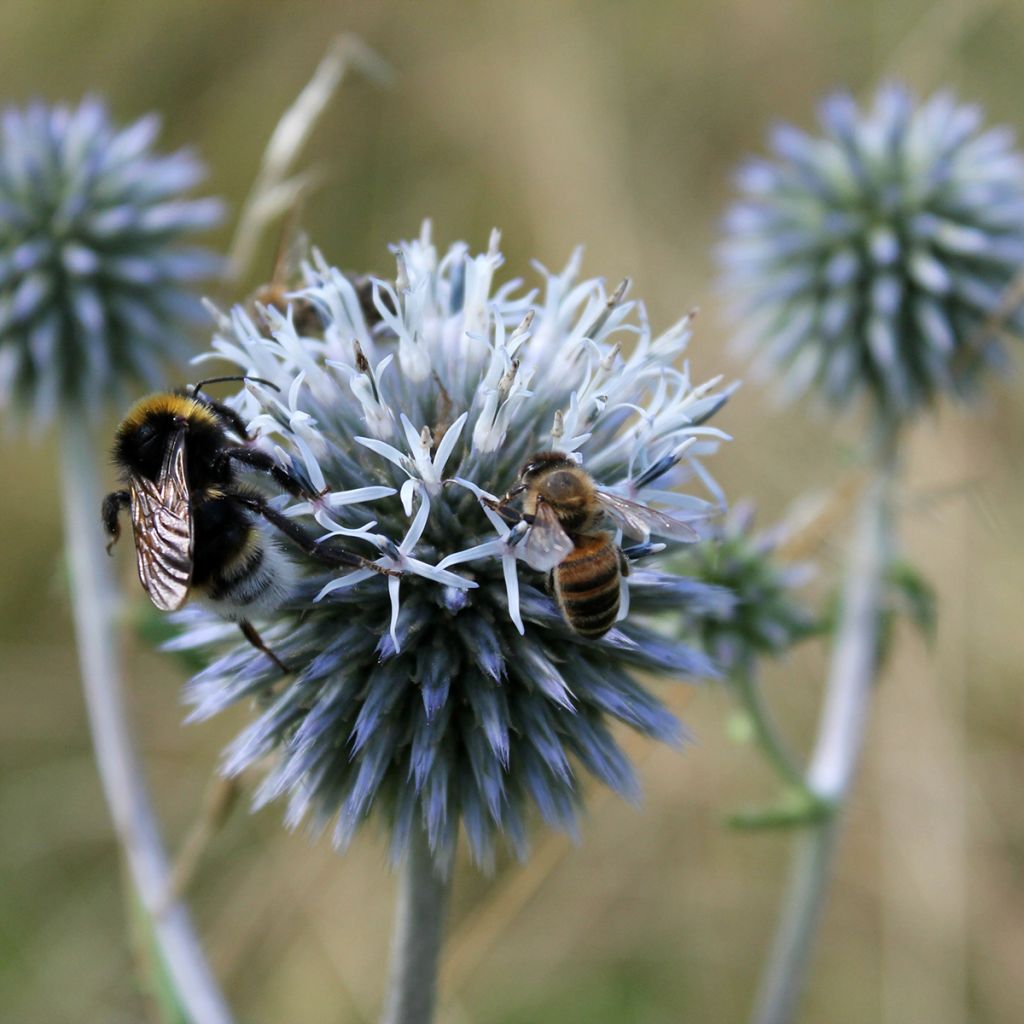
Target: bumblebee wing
[
  {"x": 162, "y": 524},
  {"x": 546, "y": 543},
  {"x": 640, "y": 521}
]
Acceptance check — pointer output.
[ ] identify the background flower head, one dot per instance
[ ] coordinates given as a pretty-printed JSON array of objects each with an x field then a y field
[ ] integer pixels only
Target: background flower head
[
  {"x": 878, "y": 256},
  {"x": 456, "y": 692},
  {"x": 765, "y": 615},
  {"x": 92, "y": 284}
]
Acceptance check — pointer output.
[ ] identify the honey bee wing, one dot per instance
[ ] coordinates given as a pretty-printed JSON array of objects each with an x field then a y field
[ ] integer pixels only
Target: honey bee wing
[
  {"x": 162, "y": 526},
  {"x": 641, "y": 521},
  {"x": 546, "y": 543}
]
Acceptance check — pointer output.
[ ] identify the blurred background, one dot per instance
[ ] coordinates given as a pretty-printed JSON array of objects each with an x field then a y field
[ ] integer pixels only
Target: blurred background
[{"x": 560, "y": 122}]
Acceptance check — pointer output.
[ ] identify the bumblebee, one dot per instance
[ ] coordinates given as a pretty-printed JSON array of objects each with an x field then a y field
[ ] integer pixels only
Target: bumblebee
[
  {"x": 197, "y": 530},
  {"x": 564, "y": 511}
]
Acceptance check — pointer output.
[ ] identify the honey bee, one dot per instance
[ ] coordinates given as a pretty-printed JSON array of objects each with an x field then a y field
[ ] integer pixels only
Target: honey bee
[
  {"x": 564, "y": 510},
  {"x": 196, "y": 527}
]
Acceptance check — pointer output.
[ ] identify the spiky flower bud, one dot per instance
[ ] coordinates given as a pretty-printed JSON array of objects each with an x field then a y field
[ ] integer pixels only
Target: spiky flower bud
[
  {"x": 456, "y": 692},
  {"x": 91, "y": 283},
  {"x": 764, "y": 616},
  {"x": 877, "y": 257}
]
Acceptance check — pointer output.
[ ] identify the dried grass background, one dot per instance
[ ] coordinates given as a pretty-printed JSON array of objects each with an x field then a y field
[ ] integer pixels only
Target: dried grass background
[{"x": 616, "y": 124}]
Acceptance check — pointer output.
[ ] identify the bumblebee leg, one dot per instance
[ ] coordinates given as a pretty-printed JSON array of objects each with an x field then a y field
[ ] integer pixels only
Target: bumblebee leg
[
  {"x": 231, "y": 419},
  {"x": 332, "y": 557},
  {"x": 256, "y": 459},
  {"x": 250, "y": 634},
  {"x": 111, "y": 510}
]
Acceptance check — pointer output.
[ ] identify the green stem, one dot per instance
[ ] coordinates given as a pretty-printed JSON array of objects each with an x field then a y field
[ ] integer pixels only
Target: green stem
[
  {"x": 93, "y": 604},
  {"x": 416, "y": 942},
  {"x": 841, "y": 729},
  {"x": 773, "y": 746}
]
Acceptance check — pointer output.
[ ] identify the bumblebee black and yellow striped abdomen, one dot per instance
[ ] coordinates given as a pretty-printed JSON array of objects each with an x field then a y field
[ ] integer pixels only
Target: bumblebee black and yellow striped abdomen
[
  {"x": 586, "y": 584},
  {"x": 238, "y": 567}
]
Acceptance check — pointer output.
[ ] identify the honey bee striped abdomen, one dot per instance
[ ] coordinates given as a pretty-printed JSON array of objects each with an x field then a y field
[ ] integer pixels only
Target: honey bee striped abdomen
[{"x": 586, "y": 585}]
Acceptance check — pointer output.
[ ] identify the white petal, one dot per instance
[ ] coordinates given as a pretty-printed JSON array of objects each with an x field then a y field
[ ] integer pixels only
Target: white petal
[
  {"x": 409, "y": 489},
  {"x": 412, "y": 435},
  {"x": 335, "y": 529},
  {"x": 415, "y": 531},
  {"x": 344, "y": 582},
  {"x": 293, "y": 391},
  {"x": 356, "y": 496},
  {"x": 447, "y": 445},
  {"x": 488, "y": 549},
  {"x": 400, "y": 459},
  {"x": 508, "y": 566},
  {"x": 394, "y": 585},
  {"x": 432, "y": 572},
  {"x": 316, "y": 474}
]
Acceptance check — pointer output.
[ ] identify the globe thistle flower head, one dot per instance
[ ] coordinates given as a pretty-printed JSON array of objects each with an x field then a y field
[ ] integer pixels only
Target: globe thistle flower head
[
  {"x": 92, "y": 286},
  {"x": 764, "y": 616},
  {"x": 876, "y": 257},
  {"x": 454, "y": 691}
]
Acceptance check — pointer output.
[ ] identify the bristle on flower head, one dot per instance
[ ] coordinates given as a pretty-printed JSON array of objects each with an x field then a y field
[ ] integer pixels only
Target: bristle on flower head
[
  {"x": 456, "y": 693},
  {"x": 879, "y": 256}
]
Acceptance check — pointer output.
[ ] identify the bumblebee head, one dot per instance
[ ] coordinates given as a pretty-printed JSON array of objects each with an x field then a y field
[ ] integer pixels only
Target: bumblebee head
[{"x": 146, "y": 431}]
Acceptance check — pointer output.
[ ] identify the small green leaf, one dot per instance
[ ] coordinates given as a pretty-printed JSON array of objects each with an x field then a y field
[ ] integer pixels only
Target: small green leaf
[
  {"x": 796, "y": 809},
  {"x": 915, "y": 597}
]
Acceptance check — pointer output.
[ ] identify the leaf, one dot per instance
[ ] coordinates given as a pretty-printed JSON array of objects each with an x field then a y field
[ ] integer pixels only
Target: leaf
[
  {"x": 796, "y": 809},
  {"x": 914, "y": 596}
]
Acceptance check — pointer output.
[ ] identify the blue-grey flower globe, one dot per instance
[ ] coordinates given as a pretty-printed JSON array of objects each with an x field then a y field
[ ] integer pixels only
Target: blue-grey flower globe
[
  {"x": 455, "y": 692},
  {"x": 93, "y": 288},
  {"x": 881, "y": 256}
]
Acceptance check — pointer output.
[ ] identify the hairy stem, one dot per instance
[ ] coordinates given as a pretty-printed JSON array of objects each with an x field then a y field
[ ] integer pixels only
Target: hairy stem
[
  {"x": 93, "y": 606},
  {"x": 841, "y": 728},
  {"x": 416, "y": 941}
]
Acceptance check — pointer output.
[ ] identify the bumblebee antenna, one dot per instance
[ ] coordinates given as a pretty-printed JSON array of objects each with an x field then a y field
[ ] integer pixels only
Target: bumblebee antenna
[{"x": 196, "y": 388}]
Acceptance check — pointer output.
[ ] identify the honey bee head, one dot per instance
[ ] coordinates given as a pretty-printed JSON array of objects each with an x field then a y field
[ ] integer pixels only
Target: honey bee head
[
  {"x": 543, "y": 463},
  {"x": 554, "y": 478}
]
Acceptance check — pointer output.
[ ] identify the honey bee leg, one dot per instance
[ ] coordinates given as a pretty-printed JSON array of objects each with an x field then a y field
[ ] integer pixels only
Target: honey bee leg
[
  {"x": 550, "y": 582},
  {"x": 256, "y": 459},
  {"x": 250, "y": 634},
  {"x": 624, "y": 564},
  {"x": 503, "y": 508},
  {"x": 113, "y": 503}
]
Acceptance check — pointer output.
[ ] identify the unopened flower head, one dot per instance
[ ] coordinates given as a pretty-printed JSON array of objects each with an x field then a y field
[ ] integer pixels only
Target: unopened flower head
[
  {"x": 765, "y": 615},
  {"x": 456, "y": 692},
  {"x": 882, "y": 255},
  {"x": 92, "y": 286}
]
